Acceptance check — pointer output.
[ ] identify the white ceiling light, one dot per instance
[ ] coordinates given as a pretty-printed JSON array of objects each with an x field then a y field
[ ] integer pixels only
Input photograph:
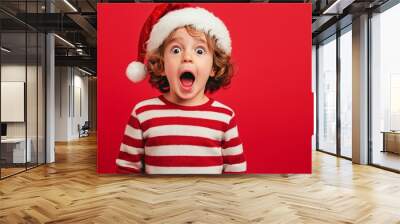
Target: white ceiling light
[
  {"x": 70, "y": 5},
  {"x": 79, "y": 51},
  {"x": 86, "y": 72},
  {"x": 5, "y": 50},
  {"x": 65, "y": 41},
  {"x": 337, "y": 7}
]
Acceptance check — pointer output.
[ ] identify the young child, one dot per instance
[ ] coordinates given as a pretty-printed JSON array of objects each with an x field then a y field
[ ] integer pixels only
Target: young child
[{"x": 187, "y": 51}]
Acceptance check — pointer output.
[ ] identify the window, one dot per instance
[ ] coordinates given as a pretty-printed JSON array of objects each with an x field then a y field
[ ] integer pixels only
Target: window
[
  {"x": 327, "y": 95},
  {"x": 385, "y": 88},
  {"x": 22, "y": 68},
  {"x": 346, "y": 74}
]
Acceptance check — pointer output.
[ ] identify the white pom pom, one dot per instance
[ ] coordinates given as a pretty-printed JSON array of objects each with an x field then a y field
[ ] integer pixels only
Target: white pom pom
[{"x": 136, "y": 71}]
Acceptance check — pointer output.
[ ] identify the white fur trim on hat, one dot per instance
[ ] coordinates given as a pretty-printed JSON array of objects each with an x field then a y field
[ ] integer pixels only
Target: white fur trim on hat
[
  {"x": 136, "y": 71},
  {"x": 199, "y": 18}
]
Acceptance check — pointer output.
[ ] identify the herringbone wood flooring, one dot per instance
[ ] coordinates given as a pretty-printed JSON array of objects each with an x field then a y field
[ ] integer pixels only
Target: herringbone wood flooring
[{"x": 70, "y": 191}]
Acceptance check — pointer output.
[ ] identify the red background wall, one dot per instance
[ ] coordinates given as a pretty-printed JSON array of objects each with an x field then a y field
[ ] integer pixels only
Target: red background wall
[{"x": 270, "y": 93}]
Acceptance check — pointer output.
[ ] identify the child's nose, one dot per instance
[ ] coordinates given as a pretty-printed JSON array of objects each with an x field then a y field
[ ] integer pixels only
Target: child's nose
[{"x": 187, "y": 56}]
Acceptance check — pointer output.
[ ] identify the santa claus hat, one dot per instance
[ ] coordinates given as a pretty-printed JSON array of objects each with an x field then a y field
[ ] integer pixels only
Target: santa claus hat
[{"x": 164, "y": 19}]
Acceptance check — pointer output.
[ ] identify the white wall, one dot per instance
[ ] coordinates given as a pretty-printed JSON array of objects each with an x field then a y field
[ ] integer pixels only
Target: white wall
[
  {"x": 71, "y": 102},
  {"x": 92, "y": 98},
  {"x": 80, "y": 103},
  {"x": 62, "y": 78},
  {"x": 16, "y": 73}
]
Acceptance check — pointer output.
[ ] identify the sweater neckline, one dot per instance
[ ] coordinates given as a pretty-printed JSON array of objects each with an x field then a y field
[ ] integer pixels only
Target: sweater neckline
[{"x": 201, "y": 106}]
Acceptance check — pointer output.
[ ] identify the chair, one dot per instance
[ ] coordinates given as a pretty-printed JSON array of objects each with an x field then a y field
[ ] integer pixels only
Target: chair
[{"x": 84, "y": 130}]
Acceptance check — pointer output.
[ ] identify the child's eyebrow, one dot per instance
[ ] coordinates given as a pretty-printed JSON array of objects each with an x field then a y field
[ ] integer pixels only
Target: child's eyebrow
[
  {"x": 180, "y": 39},
  {"x": 175, "y": 39},
  {"x": 202, "y": 40}
]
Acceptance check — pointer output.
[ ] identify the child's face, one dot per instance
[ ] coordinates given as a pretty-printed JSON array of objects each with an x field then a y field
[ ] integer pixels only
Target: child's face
[{"x": 187, "y": 64}]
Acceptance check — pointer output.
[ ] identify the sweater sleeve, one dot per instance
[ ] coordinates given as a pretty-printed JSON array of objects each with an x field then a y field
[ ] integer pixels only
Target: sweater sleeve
[
  {"x": 232, "y": 150},
  {"x": 132, "y": 148}
]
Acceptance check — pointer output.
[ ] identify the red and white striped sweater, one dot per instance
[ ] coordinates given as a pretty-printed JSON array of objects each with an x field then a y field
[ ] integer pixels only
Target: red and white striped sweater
[{"x": 174, "y": 139}]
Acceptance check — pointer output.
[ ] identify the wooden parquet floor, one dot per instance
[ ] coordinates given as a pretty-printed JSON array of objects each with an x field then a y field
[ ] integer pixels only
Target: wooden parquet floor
[{"x": 70, "y": 191}]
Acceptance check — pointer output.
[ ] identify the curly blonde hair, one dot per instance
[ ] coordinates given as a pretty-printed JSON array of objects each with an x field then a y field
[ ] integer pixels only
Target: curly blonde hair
[{"x": 221, "y": 64}]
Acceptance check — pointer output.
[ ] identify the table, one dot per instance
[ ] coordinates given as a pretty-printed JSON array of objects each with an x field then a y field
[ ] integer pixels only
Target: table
[
  {"x": 15, "y": 148},
  {"x": 391, "y": 141}
]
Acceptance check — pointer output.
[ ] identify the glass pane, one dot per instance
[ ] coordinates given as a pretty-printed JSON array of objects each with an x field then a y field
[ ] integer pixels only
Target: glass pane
[
  {"x": 23, "y": 88},
  {"x": 327, "y": 96},
  {"x": 13, "y": 87},
  {"x": 314, "y": 82},
  {"x": 31, "y": 100},
  {"x": 346, "y": 94},
  {"x": 41, "y": 98},
  {"x": 386, "y": 89}
]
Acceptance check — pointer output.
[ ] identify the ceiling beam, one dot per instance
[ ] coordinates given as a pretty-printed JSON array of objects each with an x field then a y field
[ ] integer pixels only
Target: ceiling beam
[{"x": 84, "y": 61}]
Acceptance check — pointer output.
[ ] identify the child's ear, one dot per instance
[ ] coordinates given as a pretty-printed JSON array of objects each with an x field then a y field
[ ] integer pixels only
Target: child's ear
[
  {"x": 163, "y": 73},
  {"x": 212, "y": 73}
]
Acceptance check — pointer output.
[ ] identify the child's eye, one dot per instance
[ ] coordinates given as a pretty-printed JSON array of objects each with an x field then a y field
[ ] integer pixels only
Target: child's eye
[
  {"x": 176, "y": 50},
  {"x": 200, "y": 51}
]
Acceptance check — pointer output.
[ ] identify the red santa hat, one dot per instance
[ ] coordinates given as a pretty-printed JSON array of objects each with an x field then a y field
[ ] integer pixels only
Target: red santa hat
[{"x": 164, "y": 19}]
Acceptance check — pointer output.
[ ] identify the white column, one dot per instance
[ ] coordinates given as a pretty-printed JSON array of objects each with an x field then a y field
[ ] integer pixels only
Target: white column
[
  {"x": 360, "y": 90},
  {"x": 50, "y": 90}
]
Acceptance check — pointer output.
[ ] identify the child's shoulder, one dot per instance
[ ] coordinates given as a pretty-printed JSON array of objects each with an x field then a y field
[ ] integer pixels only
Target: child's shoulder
[
  {"x": 148, "y": 102},
  {"x": 223, "y": 106}
]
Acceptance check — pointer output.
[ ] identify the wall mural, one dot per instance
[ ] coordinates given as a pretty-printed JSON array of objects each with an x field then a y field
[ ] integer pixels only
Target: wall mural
[{"x": 204, "y": 88}]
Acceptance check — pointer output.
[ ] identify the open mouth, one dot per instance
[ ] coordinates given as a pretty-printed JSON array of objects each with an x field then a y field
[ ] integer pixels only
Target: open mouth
[{"x": 187, "y": 79}]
